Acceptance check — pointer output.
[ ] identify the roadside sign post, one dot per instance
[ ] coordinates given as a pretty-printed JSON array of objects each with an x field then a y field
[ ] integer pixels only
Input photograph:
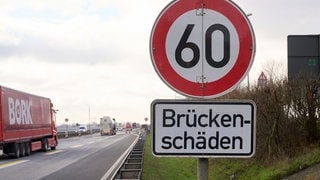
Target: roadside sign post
[
  {"x": 201, "y": 49},
  {"x": 203, "y": 166}
]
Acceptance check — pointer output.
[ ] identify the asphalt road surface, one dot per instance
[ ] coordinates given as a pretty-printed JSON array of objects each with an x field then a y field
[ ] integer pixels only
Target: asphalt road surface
[
  {"x": 81, "y": 158},
  {"x": 311, "y": 173}
]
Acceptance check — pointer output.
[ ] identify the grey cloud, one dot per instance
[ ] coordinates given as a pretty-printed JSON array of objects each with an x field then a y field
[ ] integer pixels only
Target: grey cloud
[{"x": 58, "y": 50}]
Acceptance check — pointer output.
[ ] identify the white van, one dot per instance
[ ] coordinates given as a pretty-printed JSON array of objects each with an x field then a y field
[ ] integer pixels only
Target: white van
[{"x": 83, "y": 128}]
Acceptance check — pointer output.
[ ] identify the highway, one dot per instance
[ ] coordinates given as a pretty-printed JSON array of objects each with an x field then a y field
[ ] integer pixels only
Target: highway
[{"x": 81, "y": 158}]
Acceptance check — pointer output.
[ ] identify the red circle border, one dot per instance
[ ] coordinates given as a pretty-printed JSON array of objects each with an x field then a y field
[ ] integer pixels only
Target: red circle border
[{"x": 211, "y": 89}]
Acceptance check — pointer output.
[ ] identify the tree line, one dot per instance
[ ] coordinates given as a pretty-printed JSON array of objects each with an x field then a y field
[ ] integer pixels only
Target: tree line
[{"x": 287, "y": 120}]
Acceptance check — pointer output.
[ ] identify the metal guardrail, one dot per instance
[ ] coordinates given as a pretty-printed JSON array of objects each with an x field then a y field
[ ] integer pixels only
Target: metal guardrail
[
  {"x": 132, "y": 166},
  {"x": 75, "y": 133}
]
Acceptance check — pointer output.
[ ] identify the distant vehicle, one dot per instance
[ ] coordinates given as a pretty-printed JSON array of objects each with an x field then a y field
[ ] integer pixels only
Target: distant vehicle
[
  {"x": 83, "y": 128},
  {"x": 119, "y": 127},
  {"x": 27, "y": 123},
  {"x": 128, "y": 127},
  {"x": 134, "y": 125},
  {"x": 107, "y": 126}
]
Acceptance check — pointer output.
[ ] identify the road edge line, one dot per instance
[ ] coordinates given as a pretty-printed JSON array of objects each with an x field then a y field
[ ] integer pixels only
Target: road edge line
[{"x": 116, "y": 166}]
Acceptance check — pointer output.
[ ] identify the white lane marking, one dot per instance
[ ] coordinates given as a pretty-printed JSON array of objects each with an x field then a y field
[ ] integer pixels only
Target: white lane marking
[
  {"x": 120, "y": 161},
  {"x": 76, "y": 146},
  {"x": 52, "y": 152},
  {"x": 12, "y": 163}
]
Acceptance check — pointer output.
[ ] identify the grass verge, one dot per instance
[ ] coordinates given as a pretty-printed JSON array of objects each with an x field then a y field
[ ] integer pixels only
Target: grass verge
[
  {"x": 156, "y": 168},
  {"x": 186, "y": 168}
]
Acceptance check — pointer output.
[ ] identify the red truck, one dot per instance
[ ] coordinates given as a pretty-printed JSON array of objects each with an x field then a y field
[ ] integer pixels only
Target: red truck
[
  {"x": 128, "y": 127},
  {"x": 27, "y": 123}
]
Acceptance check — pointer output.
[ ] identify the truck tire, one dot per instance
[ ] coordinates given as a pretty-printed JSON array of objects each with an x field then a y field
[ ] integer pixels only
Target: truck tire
[
  {"x": 28, "y": 148},
  {"x": 6, "y": 149},
  {"x": 16, "y": 150},
  {"x": 44, "y": 145},
  {"x": 22, "y": 149}
]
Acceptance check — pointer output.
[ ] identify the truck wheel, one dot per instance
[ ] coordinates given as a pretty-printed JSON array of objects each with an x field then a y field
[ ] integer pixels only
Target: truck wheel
[
  {"x": 16, "y": 150},
  {"x": 22, "y": 149},
  {"x": 44, "y": 145},
  {"x": 6, "y": 149},
  {"x": 28, "y": 149}
]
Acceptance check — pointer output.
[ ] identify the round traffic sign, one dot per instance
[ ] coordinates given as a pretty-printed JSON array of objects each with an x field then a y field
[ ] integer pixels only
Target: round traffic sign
[{"x": 202, "y": 48}]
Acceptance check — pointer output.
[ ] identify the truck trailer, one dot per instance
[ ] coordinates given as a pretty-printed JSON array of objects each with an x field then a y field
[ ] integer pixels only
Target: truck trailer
[
  {"x": 27, "y": 123},
  {"x": 107, "y": 126}
]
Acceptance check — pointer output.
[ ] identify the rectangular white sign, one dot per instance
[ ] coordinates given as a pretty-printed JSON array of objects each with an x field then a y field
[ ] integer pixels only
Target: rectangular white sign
[{"x": 203, "y": 128}]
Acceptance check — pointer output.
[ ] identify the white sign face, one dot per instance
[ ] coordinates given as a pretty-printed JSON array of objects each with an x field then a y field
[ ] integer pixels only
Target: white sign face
[
  {"x": 219, "y": 29},
  {"x": 203, "y": 128}
]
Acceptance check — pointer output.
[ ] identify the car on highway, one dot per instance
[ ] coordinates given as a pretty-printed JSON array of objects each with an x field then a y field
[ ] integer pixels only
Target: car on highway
[{"x": 83, "y": 129}]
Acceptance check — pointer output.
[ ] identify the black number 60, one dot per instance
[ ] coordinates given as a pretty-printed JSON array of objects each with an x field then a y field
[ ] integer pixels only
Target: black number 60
[{"x": 183, "y": 43}]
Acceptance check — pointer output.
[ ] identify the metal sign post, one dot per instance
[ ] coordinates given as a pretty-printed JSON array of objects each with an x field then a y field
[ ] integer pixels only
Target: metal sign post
[
  {"x": 202, "y": 49},
  {"x": 203, "y": 166}
]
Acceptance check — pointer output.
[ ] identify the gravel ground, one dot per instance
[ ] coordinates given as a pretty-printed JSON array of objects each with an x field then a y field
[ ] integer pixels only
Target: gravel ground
[{"x": 311, "y": 173}]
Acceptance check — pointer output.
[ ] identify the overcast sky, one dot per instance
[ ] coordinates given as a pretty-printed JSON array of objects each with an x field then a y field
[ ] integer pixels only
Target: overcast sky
[{"x": 93, "y": 56}]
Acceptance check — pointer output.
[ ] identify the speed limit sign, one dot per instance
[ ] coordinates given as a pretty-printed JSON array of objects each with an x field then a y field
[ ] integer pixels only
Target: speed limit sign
[{"x": 202, "y": 48}]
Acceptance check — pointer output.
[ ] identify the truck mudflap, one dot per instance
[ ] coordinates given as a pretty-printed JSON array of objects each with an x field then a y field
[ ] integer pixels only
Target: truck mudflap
[
  {"x": 53, "y": 143},
  {"x": 49, "y": 143}
]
